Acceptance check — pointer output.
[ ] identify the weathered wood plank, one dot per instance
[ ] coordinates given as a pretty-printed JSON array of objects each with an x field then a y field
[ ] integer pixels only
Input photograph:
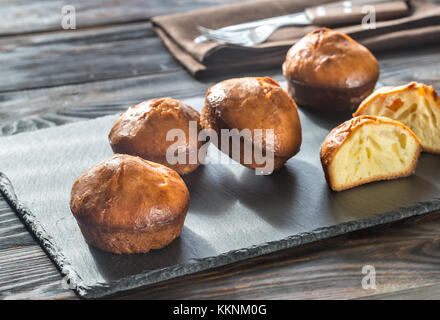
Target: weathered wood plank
[
  {"x": 422, "y": 293},
  {"x": 25, "y": 270},
  {"x": 27, "y": 273},
  {"x": 21, "y": 16},
  {"x": 96, "y": 98},
  {"x": 69, "y": 57},
  {"x": 12, "y": 231}
]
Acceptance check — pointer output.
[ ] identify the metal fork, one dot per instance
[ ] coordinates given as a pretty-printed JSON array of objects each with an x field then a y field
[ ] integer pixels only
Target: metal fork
[
  {"x": 348, "y": 11},
  {"x": 247, "y": 38}
]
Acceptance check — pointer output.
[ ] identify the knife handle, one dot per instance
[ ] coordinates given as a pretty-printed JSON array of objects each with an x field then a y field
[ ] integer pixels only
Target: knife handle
[{"x": 352, "y": 12}]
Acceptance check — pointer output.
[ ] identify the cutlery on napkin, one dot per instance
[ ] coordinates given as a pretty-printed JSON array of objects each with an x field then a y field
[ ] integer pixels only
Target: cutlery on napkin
[
  {"x": 332, "y": 14},
  {"x": 420, "y": 27}
]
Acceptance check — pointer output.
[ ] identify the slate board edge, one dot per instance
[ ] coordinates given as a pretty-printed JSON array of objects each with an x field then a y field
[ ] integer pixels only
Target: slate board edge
[{"x": 131, "y": 282}]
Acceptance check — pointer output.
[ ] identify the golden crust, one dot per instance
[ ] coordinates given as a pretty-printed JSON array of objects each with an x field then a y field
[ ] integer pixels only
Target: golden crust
[
  {"x": 392, "y": 99},
  {"x": 388, "y": 90},
  {"x": 328, "y": 70},
  {"x": 142, "y": 129},
  {"x": 336, "y": 138},
  {"x": 125, "y": 198},
  {"x": 255, "y": 103}
]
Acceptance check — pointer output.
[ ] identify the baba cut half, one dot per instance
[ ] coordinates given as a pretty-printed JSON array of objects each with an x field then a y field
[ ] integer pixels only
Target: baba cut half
[
  {"x": 416, "y": 105},
  {"x": 366, "y": 149}
]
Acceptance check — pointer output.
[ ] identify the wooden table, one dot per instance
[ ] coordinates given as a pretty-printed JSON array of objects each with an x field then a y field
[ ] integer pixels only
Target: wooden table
[{"x": 51, "y": 76}]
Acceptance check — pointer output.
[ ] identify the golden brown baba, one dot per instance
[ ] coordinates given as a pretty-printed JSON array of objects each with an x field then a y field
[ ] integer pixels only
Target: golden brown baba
[
  {"x": 142, "y": 131},
  {"x": 366, "y": 149},
  {"x": 416, "y": 105},
  {"x": 254, "y": 103},
  {"x": 126, "y": 204},
  {"x": 328, "y": 70}
]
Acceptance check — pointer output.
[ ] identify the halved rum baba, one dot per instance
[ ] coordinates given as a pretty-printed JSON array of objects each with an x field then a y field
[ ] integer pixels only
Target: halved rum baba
[
  {"x": 366, "y": 149},
  {"x": 416, "y": 105}
]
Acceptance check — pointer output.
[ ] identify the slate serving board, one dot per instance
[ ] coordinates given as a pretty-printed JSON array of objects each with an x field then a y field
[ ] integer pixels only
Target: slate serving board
[{"x": 233, "y": 215}]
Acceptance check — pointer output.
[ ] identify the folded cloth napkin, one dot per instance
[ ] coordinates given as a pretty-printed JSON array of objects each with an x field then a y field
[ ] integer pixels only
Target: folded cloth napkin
[{"x": 178, "y": 31}]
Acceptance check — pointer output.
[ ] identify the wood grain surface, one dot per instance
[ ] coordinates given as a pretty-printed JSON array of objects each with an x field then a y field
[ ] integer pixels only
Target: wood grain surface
[
  {"x": 24, "y": 16},
  {"x": 51, "y": 77}
]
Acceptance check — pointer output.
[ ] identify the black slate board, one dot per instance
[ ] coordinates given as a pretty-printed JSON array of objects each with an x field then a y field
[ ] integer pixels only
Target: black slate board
[{"x": 234, "y": 214}]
